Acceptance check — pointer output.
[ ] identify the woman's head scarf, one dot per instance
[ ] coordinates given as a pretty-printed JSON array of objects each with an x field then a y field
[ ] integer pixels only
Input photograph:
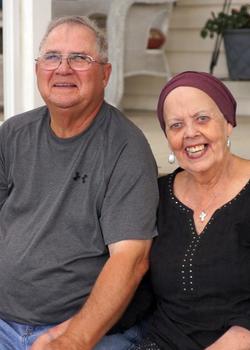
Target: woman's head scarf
[{"x": 206, "y": 82}]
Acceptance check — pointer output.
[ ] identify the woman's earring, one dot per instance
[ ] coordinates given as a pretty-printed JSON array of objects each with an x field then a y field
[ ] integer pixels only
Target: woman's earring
[
  {"x": 171, "y": 158},
  {"x": 228, "y": 143}
]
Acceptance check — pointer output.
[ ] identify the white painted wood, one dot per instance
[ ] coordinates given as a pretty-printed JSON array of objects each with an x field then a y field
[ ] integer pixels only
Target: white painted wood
[
  {"x": 1, "y": 69},
  {"x": 38, "y": 24},
  {"x": 186, "y": 50},
  {"x": 190, "y": 42},
  {"x": 1, "y": 82},
  {"x": 11, "y": 50},
  {"x": 210, "y": 3},
  {"x": 142, "y": 93},
  {"x": 191, "y": 16},
  {"x": 23, "y": 27},
  {"x": 241, "y": 92},
  {"x": 240, "y": 89},
  {"x": 127, "y": 24},
  {"x": 199, "y": 61},
  {"x": 24, "y": 23}
]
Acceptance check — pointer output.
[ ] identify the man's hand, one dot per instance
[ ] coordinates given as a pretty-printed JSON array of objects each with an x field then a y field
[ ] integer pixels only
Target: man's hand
[
  {"x": 63, "y": 342},
  {"x": 57, "y": 338},
  {"x": 112, "y": 292}
]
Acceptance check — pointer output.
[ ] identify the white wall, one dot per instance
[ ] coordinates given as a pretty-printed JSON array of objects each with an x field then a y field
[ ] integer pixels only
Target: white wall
[
  {"x": 186, "y": 50},
  {"x": 24, "y": 22}
]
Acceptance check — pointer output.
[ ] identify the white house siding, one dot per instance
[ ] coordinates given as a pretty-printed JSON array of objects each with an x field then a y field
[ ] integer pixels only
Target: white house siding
[
  {"x": 1, "y": 69},
  {"x": 186, "y": 50}
]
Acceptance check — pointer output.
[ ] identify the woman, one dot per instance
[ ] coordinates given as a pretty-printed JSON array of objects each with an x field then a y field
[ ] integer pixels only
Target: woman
[{"x": 200, "y": 262}]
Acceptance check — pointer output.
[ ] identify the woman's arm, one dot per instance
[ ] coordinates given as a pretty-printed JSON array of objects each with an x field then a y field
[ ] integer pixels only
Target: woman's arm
[{"x": 236, "y": 338}]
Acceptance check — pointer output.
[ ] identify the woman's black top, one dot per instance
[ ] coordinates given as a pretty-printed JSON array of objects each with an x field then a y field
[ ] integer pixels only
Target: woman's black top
[{"x": 201, "y": 282}]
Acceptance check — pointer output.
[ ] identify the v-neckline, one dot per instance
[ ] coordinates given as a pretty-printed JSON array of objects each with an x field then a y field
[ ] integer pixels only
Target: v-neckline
[{"x": 185, "y": 208}]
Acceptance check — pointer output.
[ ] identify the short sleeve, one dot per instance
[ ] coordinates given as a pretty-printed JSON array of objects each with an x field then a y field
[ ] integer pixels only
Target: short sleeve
[
  {"x": 241, "y": 321},
  {"x": 131, "y": 200},
  {"x": 3, "y": 177}
]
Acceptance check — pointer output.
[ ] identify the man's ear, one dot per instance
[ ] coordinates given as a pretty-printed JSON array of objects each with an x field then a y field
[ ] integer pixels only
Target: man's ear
[
  {"x": 107, "y": 69},
  {"x": 36, "y": 67}
]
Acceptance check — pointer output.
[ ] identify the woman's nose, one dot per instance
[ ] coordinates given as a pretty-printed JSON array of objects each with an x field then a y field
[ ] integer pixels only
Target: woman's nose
[{"x": 191, "y": 129}]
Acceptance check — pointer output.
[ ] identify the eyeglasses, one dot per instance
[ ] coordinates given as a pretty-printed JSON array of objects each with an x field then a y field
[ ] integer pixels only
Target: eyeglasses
[{"x": 76, "y": 61}]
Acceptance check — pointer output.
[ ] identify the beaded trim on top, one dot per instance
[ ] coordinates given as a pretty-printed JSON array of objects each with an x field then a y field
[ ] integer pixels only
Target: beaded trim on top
[
  {"x": 186, "y": 268},
  {"x": 184, "y": 208}
]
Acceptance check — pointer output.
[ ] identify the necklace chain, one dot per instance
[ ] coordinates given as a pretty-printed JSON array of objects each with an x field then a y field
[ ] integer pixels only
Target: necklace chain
[
  {"x": 203, "y": 213},
  {"x": 202, "y": 210}
]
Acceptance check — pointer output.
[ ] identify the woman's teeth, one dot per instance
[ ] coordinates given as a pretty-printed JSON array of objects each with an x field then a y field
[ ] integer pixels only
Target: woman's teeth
[{"x": 195, "y": 149}]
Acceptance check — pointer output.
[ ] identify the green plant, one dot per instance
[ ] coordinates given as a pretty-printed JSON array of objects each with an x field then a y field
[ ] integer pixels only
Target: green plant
[{"x": 237, "y": 19}]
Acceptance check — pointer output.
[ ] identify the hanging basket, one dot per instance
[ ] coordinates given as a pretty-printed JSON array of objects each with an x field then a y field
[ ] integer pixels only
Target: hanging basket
[{"x": 237, "y": 47}]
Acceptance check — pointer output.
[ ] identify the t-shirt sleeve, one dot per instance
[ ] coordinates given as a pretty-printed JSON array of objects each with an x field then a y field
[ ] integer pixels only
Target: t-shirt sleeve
[
  {"x": 131, "y": 200},
  {"x": 3, "y": 178}
]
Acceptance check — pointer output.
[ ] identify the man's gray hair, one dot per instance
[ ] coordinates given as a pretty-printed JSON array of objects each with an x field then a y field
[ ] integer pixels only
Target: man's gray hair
[{"x": 101, "y": 40}]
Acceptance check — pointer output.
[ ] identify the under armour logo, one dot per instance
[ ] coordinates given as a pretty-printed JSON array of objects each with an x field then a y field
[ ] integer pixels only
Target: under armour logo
[{"x": 78, "y": 176}]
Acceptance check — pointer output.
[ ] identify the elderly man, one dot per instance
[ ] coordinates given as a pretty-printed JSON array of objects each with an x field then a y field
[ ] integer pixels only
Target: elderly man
[{"x": 78, "y": 198}]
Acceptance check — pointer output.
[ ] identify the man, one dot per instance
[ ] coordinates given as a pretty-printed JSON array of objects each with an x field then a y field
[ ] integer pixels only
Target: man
[{"x": 78, "y": 198}]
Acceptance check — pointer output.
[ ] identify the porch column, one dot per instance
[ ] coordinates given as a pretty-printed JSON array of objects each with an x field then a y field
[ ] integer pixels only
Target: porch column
[{"x": 24, "y": 23}]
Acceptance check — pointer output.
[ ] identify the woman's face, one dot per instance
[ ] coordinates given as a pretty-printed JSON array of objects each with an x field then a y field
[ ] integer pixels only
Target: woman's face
[{"x": 196, "y": 130}]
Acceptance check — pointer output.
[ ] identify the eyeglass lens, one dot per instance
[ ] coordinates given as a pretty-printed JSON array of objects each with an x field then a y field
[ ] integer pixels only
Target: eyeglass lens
[{"x": 76, "y": 62}]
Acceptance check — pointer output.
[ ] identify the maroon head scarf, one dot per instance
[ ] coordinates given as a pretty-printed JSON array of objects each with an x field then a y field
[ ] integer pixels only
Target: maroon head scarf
[{"x": 206, "y": 82}]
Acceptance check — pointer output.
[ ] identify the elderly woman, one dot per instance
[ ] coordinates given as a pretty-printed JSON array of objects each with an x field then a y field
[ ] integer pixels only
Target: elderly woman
[{"x": 200, "y": 262}]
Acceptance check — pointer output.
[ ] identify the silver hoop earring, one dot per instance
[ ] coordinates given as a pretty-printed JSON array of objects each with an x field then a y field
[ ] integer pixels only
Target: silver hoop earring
[
  {"x": 228, "y": 143},
  {"x": 171, "y": 158}
]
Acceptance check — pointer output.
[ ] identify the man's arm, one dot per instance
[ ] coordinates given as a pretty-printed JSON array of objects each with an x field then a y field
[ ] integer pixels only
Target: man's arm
[
  {"x": 236, "y": 338},
  {"x": 109, "y": 298}
]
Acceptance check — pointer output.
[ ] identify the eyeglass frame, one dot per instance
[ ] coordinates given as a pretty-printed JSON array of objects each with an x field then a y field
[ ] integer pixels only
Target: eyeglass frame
[{"x": 67, "y": 57}]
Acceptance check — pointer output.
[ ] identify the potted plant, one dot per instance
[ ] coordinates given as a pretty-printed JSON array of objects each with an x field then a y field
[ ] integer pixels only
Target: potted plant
[{"x": 234, "y": 28}]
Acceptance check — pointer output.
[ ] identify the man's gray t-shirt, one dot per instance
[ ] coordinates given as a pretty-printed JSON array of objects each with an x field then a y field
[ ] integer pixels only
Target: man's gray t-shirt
[{"x": 62, "y": 201}]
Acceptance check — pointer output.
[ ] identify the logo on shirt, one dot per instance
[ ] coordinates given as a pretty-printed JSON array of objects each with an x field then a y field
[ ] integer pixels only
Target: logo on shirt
[{"x": 79, "y": 177}]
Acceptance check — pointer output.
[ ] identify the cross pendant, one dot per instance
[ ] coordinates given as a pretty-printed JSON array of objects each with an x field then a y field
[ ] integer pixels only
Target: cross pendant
[{"x": 202, "y": 215}]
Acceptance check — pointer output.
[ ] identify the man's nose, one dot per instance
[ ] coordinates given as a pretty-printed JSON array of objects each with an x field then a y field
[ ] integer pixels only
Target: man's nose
[{"x": 64, "y": 65}]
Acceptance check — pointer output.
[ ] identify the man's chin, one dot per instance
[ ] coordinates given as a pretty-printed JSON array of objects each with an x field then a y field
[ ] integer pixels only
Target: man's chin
[{"x": 61, "y": 103}]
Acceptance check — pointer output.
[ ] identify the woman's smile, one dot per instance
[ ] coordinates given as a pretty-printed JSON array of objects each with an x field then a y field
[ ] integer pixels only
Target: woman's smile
[{"x": 196, "y": 151}]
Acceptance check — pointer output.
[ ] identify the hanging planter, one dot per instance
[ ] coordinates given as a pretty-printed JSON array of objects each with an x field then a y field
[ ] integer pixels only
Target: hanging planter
[
  {"x": 237, "y": 47},
  {"x": 234, "y": 29}
]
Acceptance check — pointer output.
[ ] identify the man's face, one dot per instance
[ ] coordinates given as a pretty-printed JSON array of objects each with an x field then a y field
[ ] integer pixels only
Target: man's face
[{"x": 67, "y": 88}]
